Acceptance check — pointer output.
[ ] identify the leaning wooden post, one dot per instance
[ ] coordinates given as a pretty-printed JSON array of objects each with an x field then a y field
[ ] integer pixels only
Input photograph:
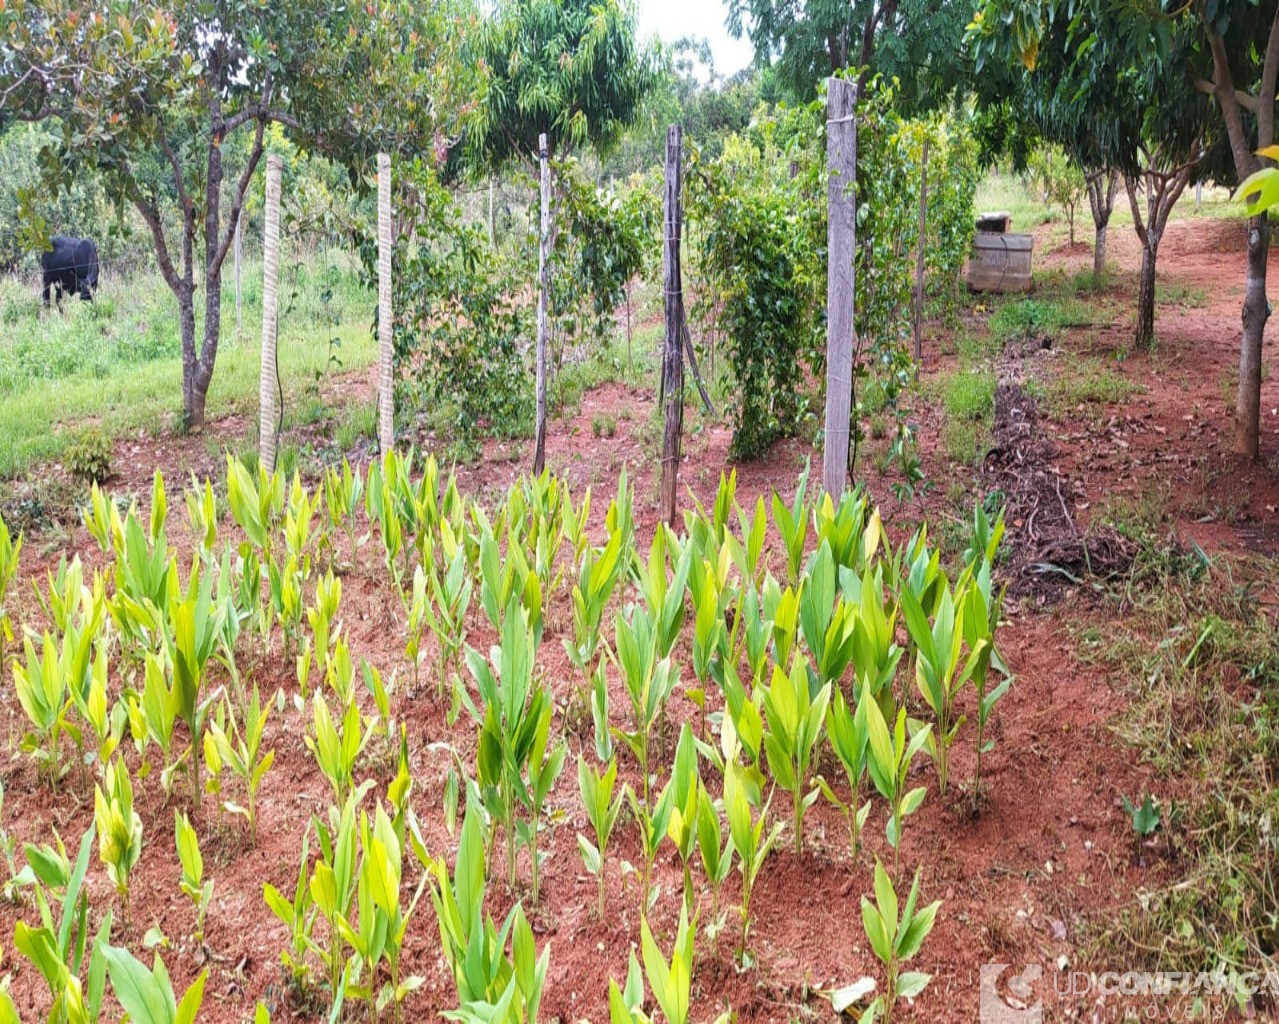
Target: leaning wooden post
[
  {"x": 543, "y": 289},
  {"x": 918, "y": 325},
  {"x": 268, "y": 378},
  {"x": 385, "y": 323},
  {"x": 673, "y": 353},
  {"x": 841, "y": 167}
]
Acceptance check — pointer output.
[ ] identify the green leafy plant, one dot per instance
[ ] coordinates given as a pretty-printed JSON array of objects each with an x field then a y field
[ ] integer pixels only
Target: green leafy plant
[
  {"x": 377, "y": 932},
  {"x": 42, "y": 689},
  {"x": 685, "y": 794},
  {"x": 148, "y": 996},
  {"x": 848, "y": 732},
  {"x": 57, "y": 948},
  {"x": 794, "y": 728},
  {"x": 981, "y": 619},
  {"x": 255, "y": 505},
  {"x": 598, "y": 572},
  {"x": 159, "y": 713},
  {"x": 322, "y": 617},
  {"x": 191, "y": 637},
  {"x": 443, "y": 612},
  {"x": 792, "y": 526},
  {"x": 10, "y": 553},
  {"x": 119, "y": 827},
  {"x": 938, "y": 650},
  {"x": 671, "y": 982},
  {"x": 649, "y": 681},
  {"x": 1146, "y": 817},
  {"x": 242, "y": 752},
  {"x": 749, "y": 840},
  {"x": 202, "y": 511},
  {"x": 602, "y": 810},
  {"x": 716, "y": 851},
  {"x": 342, "y": 492},
  {"x": 653, "y": 822},
  {"x": 194, "y": 887},
  {"x": 514, "y": 724},
  {"x": 491, "y": 985},
  {"x": 896, "y": 940},
  {"x": 88, "y": 456},
  {"x": 888, "y": 763},
  {"x": 298, "y": 915},
  {"x": 337, "y": 749}
]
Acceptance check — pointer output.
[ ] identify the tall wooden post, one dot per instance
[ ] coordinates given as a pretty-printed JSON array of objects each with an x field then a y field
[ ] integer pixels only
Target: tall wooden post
[
  {"x": 673, "y": 353},
  {"x": 268, "y": 376},
  {"x": 238, "y": 222},
  {"x": 841, "y": 169},
  {"x": 385, "y": 323},
  {"x": 918, "y": 324},
  {"x": 543, "y": 287}
]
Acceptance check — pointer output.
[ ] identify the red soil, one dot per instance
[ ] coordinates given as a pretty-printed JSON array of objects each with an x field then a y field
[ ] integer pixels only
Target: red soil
[{"x": 1051, "y": 850}]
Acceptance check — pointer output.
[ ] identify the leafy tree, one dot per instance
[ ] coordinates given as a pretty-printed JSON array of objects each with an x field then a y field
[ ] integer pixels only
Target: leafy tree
[
  {"x": 24, "y": 205},
  {"x": 572, "y": 69},
  {"x": 1236, "y": 61},
  {"x": 1112, "y": 91},
  {"x": 917, "y": 42},
  {"x": 1229, "y": 52},
  {"x": 1060, "y": 181},
  {"x": 153, "y": 96}
]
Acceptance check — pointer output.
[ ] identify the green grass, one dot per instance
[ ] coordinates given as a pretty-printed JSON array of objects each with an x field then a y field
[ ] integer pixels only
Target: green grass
[
  {"x": 1083, "y": 381},
  {"x": 116, "y": 363},
  {"x": 968, "y": 401},
  {"x": 1026, "y": 319},
  {"x": 1196, "y": 655}
]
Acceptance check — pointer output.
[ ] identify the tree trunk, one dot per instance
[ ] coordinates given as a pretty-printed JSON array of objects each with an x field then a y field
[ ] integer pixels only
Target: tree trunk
[
  {"x": 192, "y": 398},
  {"x": 1146, "y": 294},
  {"x": 1102, "y": 186},
  {"x": 1256, "y": 310},
  {"x": 1099, "y": 255}
]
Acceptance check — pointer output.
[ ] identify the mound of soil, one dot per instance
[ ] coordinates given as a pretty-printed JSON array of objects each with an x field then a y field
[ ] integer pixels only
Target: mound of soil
[{"x": 1047, "y": 551}]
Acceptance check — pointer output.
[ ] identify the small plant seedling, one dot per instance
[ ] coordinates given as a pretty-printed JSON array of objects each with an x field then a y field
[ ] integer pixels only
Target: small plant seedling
[{"x": 1146, "y": 816}]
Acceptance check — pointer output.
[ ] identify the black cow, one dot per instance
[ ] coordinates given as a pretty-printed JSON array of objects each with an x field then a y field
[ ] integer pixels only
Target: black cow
[{"x": 70, "y": 266}]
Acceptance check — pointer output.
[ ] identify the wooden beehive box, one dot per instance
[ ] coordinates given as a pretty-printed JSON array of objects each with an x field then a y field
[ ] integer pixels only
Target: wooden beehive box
[{"x": 1000, "y": 261}]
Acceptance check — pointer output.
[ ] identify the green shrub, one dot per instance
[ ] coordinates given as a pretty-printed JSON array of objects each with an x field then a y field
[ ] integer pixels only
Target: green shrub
[{"x": 88, "y": 456}]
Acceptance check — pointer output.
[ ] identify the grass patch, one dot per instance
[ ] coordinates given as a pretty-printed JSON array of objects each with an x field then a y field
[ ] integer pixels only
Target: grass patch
[
  {"x": 1029, "y": 319},
  {"x": 116, "y": 363},
  {"x": 968, "y": 400},
  {"x": 1083, "y": 381},
  {"x": 1180, "y": 295},
  {"x": 1197, "y": 653}
]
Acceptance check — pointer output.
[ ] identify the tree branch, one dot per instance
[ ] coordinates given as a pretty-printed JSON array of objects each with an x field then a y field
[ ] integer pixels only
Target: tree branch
[
  {"x": 1137, "y": 221},
  {"x": 1224, "y": 91},
  {"x": 1266, "y": 94},
  {"x": 237, "y": 205},
  {"x": 1245, "y": 99}
]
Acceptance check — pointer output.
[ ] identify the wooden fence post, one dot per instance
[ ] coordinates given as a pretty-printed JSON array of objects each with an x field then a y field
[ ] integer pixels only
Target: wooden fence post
[
  {"x": 673, "y": 354},
  {"x": 238, "y": 222},
  {"x": 841, "y": 168},
  {"x": 385, "y": 323},
  {"x": 269, "y": 375},
  {"x": 918, "y": 325},
  {"x": 543, "y": 288}
]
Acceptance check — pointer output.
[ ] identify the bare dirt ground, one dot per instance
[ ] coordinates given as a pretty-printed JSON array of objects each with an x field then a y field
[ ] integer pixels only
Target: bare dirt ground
[{"x": 1024, "y": 882}]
